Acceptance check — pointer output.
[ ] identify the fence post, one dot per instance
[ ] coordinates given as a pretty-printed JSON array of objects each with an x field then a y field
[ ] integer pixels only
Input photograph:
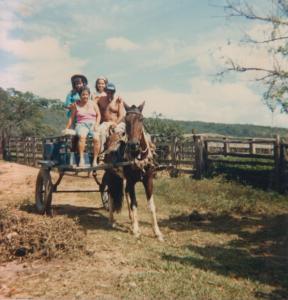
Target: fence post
[
  {"x": 277, "y": 162},
  {"x": 33, "y": 148},
  {"x": 252, "y": 148},
  {"x": 282, "y": 171},
  {"x": 200, "y": 164},
  {"x": 226, "y": 147},
  {"x": 25, "y": 144}
]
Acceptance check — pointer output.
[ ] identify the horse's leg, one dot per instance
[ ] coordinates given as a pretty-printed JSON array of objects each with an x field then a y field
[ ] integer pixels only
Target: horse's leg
[
  {"x": 128, "y": 202},
  {"x": 111, "y": 215},
  {"x": 133, "y": 205},
  {"x": 148, "y": 185}
]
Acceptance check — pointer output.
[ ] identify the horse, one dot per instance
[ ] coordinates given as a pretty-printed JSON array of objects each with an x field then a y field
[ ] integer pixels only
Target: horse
[{"x": 135, "y": 149}]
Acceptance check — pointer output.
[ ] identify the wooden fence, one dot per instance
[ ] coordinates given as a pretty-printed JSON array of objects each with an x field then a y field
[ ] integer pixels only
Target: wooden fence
[
  {"x": 27, "y": 150},
  {"x": 194, "y": 154}
]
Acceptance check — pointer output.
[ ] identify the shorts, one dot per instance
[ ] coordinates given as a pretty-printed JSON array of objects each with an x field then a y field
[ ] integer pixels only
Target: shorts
[{"x": 84, "y": 129}]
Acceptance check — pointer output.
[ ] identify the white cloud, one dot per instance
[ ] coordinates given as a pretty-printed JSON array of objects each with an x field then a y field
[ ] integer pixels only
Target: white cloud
[
  {"x": 44, "y": 67},
  {"x": 120, "y": 43},
  {"x": 209, "y": 102}
]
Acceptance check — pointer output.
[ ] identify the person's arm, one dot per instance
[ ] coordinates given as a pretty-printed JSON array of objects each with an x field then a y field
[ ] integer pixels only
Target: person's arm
[
  {"x": 120, "y": 110},
  {"x": 68, "y": 101},
  {"x": 95, "y": 98},
  {"x": 72, "y": 117},
  {"x": 98, "y": 114}
]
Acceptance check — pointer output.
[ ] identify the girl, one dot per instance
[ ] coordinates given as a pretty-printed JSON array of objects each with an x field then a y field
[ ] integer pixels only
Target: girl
[
  {"x": 78, "y": 82},
  {"x": 100, "y": 86}
]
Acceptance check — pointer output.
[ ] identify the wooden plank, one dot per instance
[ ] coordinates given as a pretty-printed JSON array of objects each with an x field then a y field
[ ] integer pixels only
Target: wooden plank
[
  {"x": 268, "y": 142},
  {"x": 242, "y": 155},
  {"x": 235, "y": 162}
]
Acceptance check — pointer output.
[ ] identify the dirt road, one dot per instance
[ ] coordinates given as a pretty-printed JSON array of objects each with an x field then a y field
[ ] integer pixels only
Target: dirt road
[{"x": 91, "y": 276}]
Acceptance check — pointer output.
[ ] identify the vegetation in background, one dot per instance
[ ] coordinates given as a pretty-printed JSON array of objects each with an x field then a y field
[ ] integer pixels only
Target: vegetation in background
[{"x": 25, "y": 114}]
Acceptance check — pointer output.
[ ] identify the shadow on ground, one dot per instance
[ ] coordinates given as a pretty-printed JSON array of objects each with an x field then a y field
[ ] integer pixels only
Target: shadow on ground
[
  {"x": 259, "y": 253},
  {"x": 91, "y": 218}
]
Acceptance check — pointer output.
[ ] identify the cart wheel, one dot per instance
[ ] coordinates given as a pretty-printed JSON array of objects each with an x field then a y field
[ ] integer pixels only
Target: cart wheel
[
  {"x": 43, "y": 192},
  {"x": 105, "y": 199}
]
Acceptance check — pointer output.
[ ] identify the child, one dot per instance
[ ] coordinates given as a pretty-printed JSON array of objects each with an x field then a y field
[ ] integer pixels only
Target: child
[
  {"x": 100, "y": 86},
  {"x": 78, "y": 82}
]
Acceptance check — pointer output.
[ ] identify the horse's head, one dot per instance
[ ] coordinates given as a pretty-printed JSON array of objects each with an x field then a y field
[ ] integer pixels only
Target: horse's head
[{"x": 134, "y": 129}]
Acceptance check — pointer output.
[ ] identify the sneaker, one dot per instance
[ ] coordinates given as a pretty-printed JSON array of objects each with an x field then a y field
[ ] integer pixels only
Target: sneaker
[{"x": 94, "y": 163}]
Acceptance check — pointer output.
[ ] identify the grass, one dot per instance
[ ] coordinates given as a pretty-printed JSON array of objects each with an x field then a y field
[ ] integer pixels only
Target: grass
[
  {"x": 237, "y": 250},
  {"x": 218, "y": 195}
]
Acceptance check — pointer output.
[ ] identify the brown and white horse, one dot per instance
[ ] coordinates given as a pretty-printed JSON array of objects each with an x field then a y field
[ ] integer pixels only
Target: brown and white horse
[{"x": 136, "y": 149}]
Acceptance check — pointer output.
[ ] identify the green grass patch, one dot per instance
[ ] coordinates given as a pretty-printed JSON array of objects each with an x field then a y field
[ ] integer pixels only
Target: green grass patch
[{"x": 219, "y": 195}]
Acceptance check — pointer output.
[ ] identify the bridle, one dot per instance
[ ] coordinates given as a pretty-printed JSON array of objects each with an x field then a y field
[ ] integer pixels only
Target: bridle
[{"x": 142, "y": 153}]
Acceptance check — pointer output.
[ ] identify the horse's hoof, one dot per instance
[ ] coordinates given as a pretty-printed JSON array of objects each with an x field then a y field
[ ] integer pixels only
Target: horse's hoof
[
  {"x": 114, "y": 225},
  {"x": 160, "y": 238},
  {"x": 137, "y": 234},
  {"x": 49, "y": 212}
]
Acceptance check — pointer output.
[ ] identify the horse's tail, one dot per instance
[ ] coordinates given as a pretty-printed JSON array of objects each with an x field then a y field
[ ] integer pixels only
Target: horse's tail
[{"x": 115, "y": 190}]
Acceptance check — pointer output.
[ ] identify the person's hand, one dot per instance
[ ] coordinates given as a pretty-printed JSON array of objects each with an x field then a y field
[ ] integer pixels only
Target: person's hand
[
  {"x": 68, "y": 131},
  {"x": 96, "y": 126}
]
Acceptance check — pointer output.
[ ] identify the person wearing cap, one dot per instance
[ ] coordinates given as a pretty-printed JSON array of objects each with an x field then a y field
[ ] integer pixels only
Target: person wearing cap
[
  {"x": 112, "y": 113},
  {"x": 78, "y": 81}
]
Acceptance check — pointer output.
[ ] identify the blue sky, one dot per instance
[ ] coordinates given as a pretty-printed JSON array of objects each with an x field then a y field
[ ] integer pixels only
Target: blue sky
[{"x": 165, "y": 52}]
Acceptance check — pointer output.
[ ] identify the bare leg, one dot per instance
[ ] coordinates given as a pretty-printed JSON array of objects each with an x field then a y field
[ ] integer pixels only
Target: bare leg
[
  {"x": 82, "y": 142},
  {"x": 96, "y": 150}
]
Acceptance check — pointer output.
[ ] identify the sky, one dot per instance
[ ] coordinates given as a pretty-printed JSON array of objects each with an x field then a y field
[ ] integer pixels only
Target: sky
[{"x": 162, "y": 51}]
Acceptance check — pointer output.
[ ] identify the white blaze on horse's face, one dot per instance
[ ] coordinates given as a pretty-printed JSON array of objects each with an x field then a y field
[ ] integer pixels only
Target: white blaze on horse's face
[{"x": 134, "y": 127}]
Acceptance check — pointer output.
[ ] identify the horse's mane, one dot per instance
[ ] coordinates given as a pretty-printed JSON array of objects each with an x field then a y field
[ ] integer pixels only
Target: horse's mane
[{"x": 133, "y": 109}]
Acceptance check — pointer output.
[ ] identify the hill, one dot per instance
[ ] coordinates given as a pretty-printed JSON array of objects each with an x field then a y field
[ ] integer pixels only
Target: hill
[
  {"x": 25, "y": 114},
  {"x": 240, "y": 130}
]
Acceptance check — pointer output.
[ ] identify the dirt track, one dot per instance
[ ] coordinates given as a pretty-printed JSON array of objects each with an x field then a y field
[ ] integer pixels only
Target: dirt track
[{"x": 92, "y": 275}]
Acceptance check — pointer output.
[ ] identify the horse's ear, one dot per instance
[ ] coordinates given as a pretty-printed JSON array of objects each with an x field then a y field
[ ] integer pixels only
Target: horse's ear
[
  {"x": 141, "y": 106},
  {"x": 126, "y": 106}
]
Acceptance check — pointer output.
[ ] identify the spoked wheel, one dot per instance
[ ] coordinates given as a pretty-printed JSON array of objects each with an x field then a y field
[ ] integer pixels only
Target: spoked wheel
[{"x": 43, "y": 192}]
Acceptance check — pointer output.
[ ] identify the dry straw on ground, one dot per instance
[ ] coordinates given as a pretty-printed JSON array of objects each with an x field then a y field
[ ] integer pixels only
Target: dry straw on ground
[{"x": 29, "y": 236}]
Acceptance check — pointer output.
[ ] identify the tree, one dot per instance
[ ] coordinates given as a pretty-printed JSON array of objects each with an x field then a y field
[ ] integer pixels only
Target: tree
[
  {"x": 275, "y": 41},
  {"x": 166, "y": 127},
  {"x": 24, "y": 114}
]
